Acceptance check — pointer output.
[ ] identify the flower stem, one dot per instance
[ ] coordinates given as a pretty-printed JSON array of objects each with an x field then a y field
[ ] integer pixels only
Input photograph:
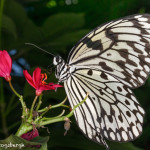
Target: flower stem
[
  {"x": 71, "y": 113},
  {"x": 62, "y": 118},
  {"x": 12, "y": 88},
  {"x": 24, "y": 128},
  {"x": 24, "y": 113},
  {"x": 39, "y": 103},
  {"x": 55, "y": 106},
  {"x": 33, "y": 104}
]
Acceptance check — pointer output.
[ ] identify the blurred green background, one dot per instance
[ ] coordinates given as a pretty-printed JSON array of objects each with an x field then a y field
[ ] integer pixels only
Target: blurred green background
[{"x": 56, "y": 25}]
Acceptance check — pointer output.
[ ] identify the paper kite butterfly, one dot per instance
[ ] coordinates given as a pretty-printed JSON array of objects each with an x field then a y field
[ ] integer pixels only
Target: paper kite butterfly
[{"x": 107, "y": 63}]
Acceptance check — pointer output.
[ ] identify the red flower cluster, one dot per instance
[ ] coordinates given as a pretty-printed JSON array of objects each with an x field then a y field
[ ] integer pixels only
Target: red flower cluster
[
  {"x": 38, "y": 81},
  {"x": 5, "y": 65}
]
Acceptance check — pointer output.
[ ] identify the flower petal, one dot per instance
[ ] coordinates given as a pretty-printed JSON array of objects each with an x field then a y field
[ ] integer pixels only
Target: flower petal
[
  {"x": 56, "y": 85},
  {"x": 5, "y": 63},
  {"x": 46, "y": 87},
  {"x": 49, "y": 87},
  {"x": 37, "y": 77},
  {"x": 29, "y": 78}
]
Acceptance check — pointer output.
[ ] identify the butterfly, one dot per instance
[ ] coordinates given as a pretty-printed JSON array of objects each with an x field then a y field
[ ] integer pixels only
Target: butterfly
[{"x": 107, "y": 63}]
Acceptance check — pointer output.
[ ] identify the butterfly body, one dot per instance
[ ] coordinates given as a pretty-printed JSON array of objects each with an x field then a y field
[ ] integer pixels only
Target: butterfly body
[{"x": 107, "y": 63}]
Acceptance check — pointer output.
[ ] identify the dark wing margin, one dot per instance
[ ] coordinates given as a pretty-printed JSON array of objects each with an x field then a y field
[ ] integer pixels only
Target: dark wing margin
[{"x": 121, "y": 48}]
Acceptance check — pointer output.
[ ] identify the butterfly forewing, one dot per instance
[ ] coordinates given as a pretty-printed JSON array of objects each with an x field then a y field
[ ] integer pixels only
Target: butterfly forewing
[{"x": 120, "y": 48}]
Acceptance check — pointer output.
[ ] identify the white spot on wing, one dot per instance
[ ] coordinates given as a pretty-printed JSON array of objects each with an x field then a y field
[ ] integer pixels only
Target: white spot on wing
[
  {"x": 142, "y": 19},
  {"x": 133, "y": 98},
  {"x": 131, "y": 135},
  {"x": 140, "y": 118},
  {"x": 146, "y": 68},
  {"x": 126, "y": 30},
  {"x": 143, "y": 74},
  {"x": 140, "y": 79},
  {"x": 139, "y": 127},
  {"x": 141, "y": 110},
  {"x": 124, "y": 24},
  {"x": 112, "y": 135},
  {"x": 147, "y": 60},
  {"x": 124, "y": 135},
  {"x": 105, "y": 133},
  {"x": 118, "y": 137},
  {"x": 145, "y": 25},
  {"x": 138, "y": 16},
  {"x": 135, "y": 131}
]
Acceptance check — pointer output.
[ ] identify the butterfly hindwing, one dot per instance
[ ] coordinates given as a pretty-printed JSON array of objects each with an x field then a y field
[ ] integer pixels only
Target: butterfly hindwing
[
  {"x": 80, "y": 116},
  {"x": 111, "y": 108}
]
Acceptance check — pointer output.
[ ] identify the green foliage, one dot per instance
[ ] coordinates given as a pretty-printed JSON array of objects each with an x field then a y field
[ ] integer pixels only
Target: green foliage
[
  {"x": 57, "y": 28},
  {"x": 9, "y": 26}
]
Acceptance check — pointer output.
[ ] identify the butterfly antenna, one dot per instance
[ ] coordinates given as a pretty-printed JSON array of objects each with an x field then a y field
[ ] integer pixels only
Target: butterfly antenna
[{"x": 40, "y": 48}]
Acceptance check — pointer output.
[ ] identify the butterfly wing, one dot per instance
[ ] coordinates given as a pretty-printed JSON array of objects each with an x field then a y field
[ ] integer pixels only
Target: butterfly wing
[
  {"x": 80, "y": 115},
  {"x": 121, "y": 48},
  {"x": 109, "y": 61},
  {"x": 111, "y": 109}
]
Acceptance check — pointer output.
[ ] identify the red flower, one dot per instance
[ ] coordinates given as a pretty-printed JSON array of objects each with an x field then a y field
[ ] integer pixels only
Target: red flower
[
  {"x": 5, "y": 65},
  {"x": 38, "y": 81},
  {"x": 30, "y": 135}
]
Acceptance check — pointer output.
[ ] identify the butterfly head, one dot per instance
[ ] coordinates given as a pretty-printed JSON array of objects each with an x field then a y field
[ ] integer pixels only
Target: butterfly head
[{"x": 57, "y": 60}]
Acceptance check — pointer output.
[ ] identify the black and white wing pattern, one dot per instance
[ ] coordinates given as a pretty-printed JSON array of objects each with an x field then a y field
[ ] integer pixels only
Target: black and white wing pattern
[
  {"x": 109, "y": 61},
  {"x": 111, "y": 109},
  {"x": 121, "y": 48}
]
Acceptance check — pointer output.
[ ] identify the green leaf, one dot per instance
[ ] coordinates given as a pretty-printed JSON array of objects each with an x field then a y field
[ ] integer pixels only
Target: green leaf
[
  {"x": 16, "y": 11},
  {"x": 62, "y": 23},
  {"x": 8, "y": 26},
  {"x": 31, "y": 32},
  {"x": 69, "y": 39},
  {"x": 26, "y": 29},
  {"x": 20, "y": 143}
]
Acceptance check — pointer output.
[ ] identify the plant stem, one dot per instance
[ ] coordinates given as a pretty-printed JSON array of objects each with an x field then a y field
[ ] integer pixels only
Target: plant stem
[
  {"x": 33, "y": 104},
  {"x": 12, "y": 88},
  {"x": 58, "y": 119},
  {"x": 24, "y": 108},
  {"x": 71, "y": 113},
  {"x": 55, "y": 106},
  {"x": 28, "y": 125},
  {"x": 24, "y": 128},
  {"x": 24, "y": 113},
  {"x": 39, "y": 103}
]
